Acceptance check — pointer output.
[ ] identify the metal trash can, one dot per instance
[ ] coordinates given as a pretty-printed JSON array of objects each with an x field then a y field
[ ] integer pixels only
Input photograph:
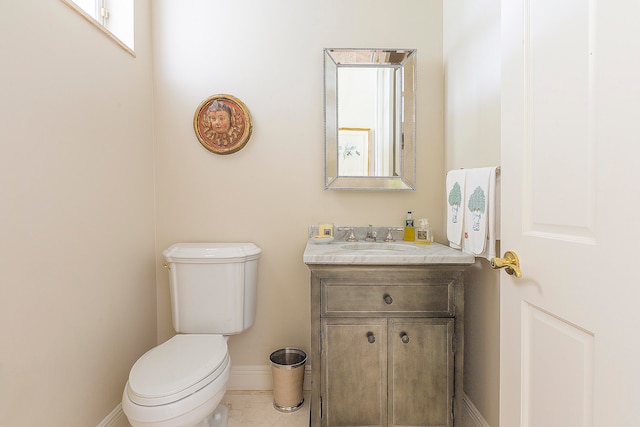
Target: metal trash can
[{"x": 287, "y": 367}]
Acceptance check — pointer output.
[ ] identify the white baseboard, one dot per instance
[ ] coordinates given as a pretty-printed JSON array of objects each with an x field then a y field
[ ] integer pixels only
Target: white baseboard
[
  {"x": 246, "y": 377},
  {"x": 472, "y": 417},
  {"x": 116, "y": 418}
]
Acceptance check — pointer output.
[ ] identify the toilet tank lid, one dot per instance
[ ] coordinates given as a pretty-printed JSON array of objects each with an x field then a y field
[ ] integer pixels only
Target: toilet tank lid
[{"x": 210, "y": 252}]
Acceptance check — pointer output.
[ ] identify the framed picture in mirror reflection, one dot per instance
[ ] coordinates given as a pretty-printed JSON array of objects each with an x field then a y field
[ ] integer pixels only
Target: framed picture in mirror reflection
[{"x": 354, "y": 151}]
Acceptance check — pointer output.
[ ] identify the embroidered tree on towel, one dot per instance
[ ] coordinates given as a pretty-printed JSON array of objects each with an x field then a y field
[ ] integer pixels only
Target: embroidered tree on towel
[
  {"x": 477, "y": 206},
  {"x": 455, "y": 200}
]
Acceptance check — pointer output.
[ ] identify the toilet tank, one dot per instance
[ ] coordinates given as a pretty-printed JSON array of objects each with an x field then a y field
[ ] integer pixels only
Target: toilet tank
[{"x": 213, "y": 286}]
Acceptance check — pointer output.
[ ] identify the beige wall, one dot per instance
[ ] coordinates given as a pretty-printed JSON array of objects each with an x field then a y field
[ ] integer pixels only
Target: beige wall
[
  {"x": 77, "y": 277},
  {"x": 269, "y": 55},
  {"x": 472, "y": 139}
]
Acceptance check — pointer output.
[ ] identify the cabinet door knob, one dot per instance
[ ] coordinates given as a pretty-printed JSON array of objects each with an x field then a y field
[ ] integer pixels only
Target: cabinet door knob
[
  {"x": 404, "y": 337},
  {"x": 370, "y": 337},
  {"x": 387, "y": 299}
]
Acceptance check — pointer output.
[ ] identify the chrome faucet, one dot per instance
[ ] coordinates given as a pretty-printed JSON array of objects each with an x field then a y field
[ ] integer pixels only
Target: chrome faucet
[
  {"x": 371, "y": 234},
  {"x": 351, "y": 237}
]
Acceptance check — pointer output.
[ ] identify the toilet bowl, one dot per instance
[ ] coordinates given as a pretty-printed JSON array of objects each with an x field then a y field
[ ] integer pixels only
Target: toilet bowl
[
  {"x": 178, "y": 383},
  {"x": 181, "y": 382}
]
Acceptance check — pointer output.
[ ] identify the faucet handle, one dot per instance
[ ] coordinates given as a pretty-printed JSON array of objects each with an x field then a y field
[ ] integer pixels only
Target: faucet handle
[
  {"x": 351, "y": 237},
  {"x": 389, "y": 237}
]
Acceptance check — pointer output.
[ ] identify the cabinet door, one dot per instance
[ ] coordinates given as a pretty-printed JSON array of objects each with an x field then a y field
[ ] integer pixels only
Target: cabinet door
[
  {"x": 421, "y": 372},
  {"x": 354, "y": 372}
]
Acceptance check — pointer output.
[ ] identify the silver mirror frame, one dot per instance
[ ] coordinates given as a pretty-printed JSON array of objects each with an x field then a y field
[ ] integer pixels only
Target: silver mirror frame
[{"x": 406, "y": 64}]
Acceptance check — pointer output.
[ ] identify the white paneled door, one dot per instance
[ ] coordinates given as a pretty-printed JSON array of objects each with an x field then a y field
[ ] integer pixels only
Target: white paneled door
[{"x": 570, "y": 327}]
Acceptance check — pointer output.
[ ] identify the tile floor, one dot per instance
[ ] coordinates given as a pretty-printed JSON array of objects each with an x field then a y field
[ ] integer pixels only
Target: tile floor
[{"x": 255, "y": 409}]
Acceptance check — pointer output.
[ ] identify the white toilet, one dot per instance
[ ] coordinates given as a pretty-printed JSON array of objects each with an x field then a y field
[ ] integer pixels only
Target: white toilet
[{"x": 181, "y": 382}]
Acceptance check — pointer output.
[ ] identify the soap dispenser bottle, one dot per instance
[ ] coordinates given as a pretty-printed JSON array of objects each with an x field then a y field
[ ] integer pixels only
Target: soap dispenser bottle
[
  {"x": 424, "y": 234},
  {"x": 409, "y": 230}
]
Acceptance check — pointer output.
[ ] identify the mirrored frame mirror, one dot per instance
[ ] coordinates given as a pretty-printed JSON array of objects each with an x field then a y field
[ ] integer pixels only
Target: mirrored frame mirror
[{"x": 370, "y": 123}]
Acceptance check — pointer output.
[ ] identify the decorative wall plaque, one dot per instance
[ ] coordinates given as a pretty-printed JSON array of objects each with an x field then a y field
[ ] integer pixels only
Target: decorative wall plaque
[{"x": 222, "y": 124}]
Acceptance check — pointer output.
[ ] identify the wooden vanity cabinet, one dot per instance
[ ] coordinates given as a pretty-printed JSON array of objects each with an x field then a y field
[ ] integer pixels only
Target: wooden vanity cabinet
[{"x": 386, "y": 345}]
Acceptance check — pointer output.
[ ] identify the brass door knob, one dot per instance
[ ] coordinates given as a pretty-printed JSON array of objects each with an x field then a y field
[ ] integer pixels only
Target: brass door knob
[{"x": 510, "y": 263}]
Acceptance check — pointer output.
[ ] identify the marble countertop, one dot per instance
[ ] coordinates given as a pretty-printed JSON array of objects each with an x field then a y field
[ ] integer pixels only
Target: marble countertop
[{"x": 380, "y": 253}]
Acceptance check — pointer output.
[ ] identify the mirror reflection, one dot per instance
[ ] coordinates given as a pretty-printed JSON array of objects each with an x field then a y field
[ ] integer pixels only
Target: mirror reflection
[{"x": 370, "y": 120}]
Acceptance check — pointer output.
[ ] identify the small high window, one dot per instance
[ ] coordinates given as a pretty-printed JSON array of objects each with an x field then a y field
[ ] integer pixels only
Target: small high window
[{"x": 113, "y": 17}]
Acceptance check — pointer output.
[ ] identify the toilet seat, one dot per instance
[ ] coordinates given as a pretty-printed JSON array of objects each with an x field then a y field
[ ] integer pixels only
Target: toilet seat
[{"x": 177, "y": 368}]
